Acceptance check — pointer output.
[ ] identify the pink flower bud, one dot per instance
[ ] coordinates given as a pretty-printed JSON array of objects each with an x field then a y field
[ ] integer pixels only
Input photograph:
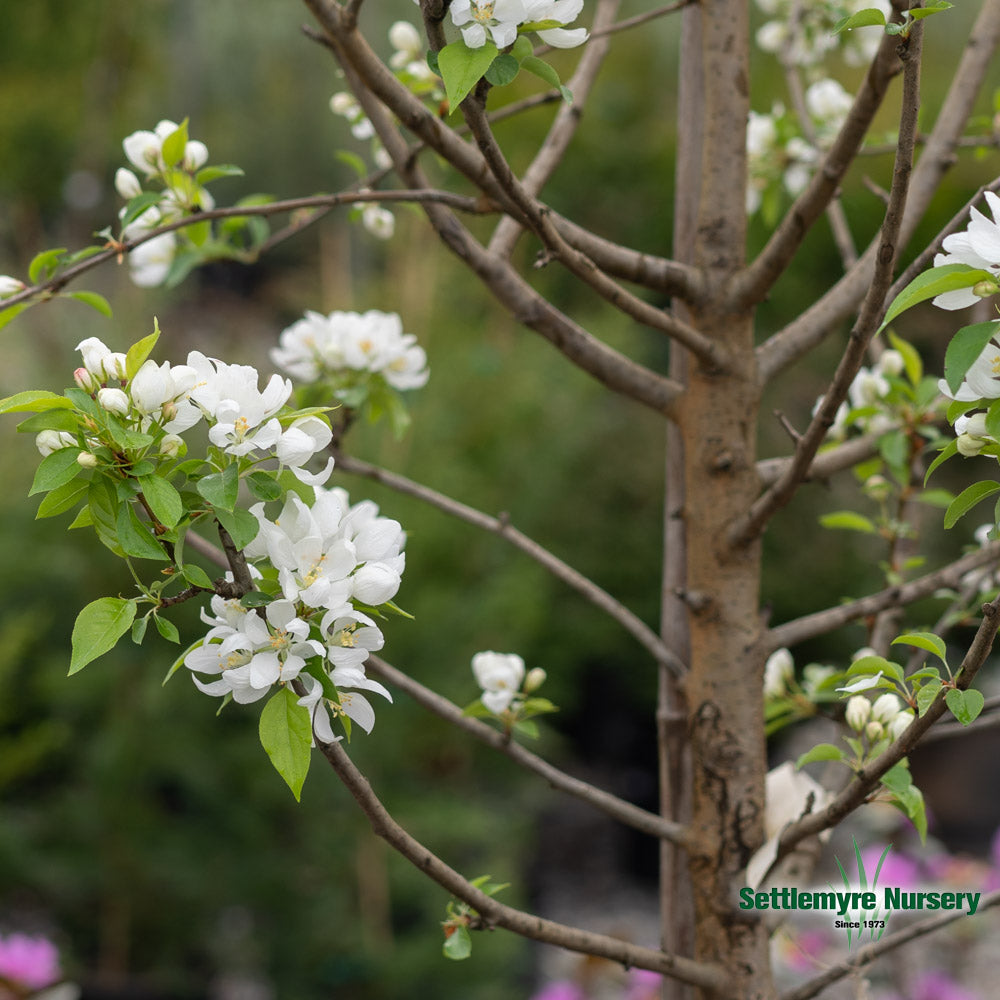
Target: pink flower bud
[{"x": 84, "y": 380}]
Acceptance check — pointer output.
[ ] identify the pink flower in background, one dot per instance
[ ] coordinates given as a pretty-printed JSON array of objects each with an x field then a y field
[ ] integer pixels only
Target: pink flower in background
[
  {"x": 29, "y": 961},
  {"x": 898, "y": 870},
  {"x": 644, "y": 985},
  {"x": 561, "y": 990}
]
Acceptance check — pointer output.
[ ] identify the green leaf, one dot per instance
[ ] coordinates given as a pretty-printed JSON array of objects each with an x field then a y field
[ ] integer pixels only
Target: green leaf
[
  {"x": 198, "y": 232},
  {"x": 34, "y": 401},
  {"x": 62, "y": 498},
  {"x": 898, "y": 778},
  {"x": 164, "y": 501},
  {"x": 134, "y": 207},
  {"x": 10, "y": 313},
  {"x": 98, "y": 628},
  {"x": 256, "y": 599},
  {"x": 924, "y": 640},
  {"x": 503, "y": 70},
  {"x": 965, "y": 705},
  {"x": 934, "y": 498},
  {"x": 139, "y": 629},
  {"x": 44, "y": 264},
  {"x": 947, "y": 452},
  {"x": 134, "y": 536},
  {"x": 911, "y": 359},
  {"x": 927, "y": 695},
  {"x": 172, "y": 150},
  {"x": 862, "y": 19},
  {"x": 822, "y": 751},
  {"x": 848, "y": 520},
  {"x": 55, "y": 470},
  {"x": 196, "y": 576},
  {"x": 241, "y": 525},
  {"x": 167, "y": 629},
  {"x": 968, "y": 499},
  {"x": 263, "y": 485},
  {"x": 911, "y": 802},
  {"x": 542, "y": 70},
  {"x": 458, "y": 943},
  {"x": 221, "y": 489},
  {"x": 947, "y": 278},
  {"x": 92, "y": 299},
  {"x": 50, "y": 420},
  {"x": 462, "y": 68},
  {"x": 286, "y": 735},
  {"x": 208, "y": 174},
  {"x": 140, "y": 351},
  {"x": 964, "y": 349},
  {"x": 353, "y": 161},
  {"x": 919, "y": 13}
]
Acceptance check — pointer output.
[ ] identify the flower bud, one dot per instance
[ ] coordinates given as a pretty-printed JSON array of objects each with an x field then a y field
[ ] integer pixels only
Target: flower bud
[
  {"x": 534, "y": 680},
  {"x": 343, "y": 103},
  {"x": 115, "y": 365},
  {"x": 403, "y": 36},
  {"x": 984, "y": 289},
  {"x": 874, "y": 731},
  {"x": 877, "y": 488},
  {"x": 9, "y": 286},
  {"x": 859, "y": 708},
  {"x": 900, "y": 724},
  {"x": 127, "y": 184},
  {"x": 969, "y": 446},
  {"x": 195, "y": 155},
  {"x": 113, "y": 400},
  {"x": 85, "y": 380},
  {"x": 49, "y": 441},
  {"x": 172, "y": 446},
  {"x": 94, "y": 352},
  {"x": 379, "y": 221},
  {"x": 886, "y": 708},
  {"x": 87, "y": 459},
  {"x": 778, "y": 671}
]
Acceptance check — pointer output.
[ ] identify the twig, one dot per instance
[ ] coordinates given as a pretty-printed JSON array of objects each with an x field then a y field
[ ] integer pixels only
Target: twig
[
  {"x": 640, "y": 19},
  {"x": 826, "y": 463},
  {"x": 501, "y": 526},
  {"x": 242, "y": 580},
  {"x": 820, "y": 622},
  {"x": 778, "y": 495},
  {"x": 870, "y": 952},
  {"x": 496, "y": 914},
  {"x": 866, "y": 778},
  {"x": 616, "y": 808}
]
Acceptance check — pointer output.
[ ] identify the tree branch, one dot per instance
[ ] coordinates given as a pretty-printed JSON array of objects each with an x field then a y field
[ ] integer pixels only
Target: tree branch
[
  {"x": 618, "y": 809},
  {"x": 826, "y": 463},
  {"x": 817, "y": 322},
  {"x": 866, "y": 779},
  {"x": 496, "y": 914},
  {"x": 870, "y": 952},
  {"x": 778, "y": 495},
  {"x": 820, "y": 622},
  {"x": 501, "y": 526}
]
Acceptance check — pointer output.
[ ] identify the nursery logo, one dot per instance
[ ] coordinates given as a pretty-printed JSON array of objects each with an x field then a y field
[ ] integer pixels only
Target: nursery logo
[{"x": 861, "y": 906}]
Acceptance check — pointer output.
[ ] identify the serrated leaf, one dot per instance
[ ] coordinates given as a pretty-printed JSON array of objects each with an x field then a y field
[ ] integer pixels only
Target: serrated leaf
[
  {"x": 862, "y": 19},
  {"x": 462, "y": 67},
  {"x": 138, "y": 353},
  {"x": 34, "y": 401},
  {"x": 924, "y": 640},
  {"x": 98, "y": 628},
  {"x": 174, "y": 145},
  {"x": 947, "y": 278},
  {"x": 164, "y": 501},
  {"x": 848, "y": 520},
  {"x": 968, "y": 499},
  {"x": 286, "y": 735},
  {"x": 241, "y": 525},
  {"x": 56, "y": 470},
  {"x": 44, "y": 264},
  {"x": 964, "y": 349},
  {"x": 822, "y": 751},
  {"x": 221, "y": 489},
  {"x": 134, "y": 536},
  {"x": 965, "y": 705},
  {"x": 61, "y": 499}
]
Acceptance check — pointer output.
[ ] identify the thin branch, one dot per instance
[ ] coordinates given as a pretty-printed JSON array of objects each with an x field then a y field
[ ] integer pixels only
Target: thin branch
[
  {"x": 640, "y": 19},
  {"x": 242, "y": 580},
  {"x": 870, "y": 952},
  {"x": 206, "y": 549},
  {"x": 821, "y": 622},
  {"x": 778, "y": 495},
  {"x": 824, "y": 316},
  {"x": 564, "y": 125},
  {"x": 501, "y": 526},
  {"x": 116, "y": 249},
  {"x": 866, "y": 779},
  {"x": 753, "y": 284},
  {"x": 496, "y": 914},
  {"x": 826, "y": 463},
  {"x": 527, "y": 306},
  {"x": 625, "y": 812}
]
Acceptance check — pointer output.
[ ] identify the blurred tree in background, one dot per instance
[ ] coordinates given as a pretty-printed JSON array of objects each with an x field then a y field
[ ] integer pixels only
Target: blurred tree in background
[{"x": 164, "y": 873}]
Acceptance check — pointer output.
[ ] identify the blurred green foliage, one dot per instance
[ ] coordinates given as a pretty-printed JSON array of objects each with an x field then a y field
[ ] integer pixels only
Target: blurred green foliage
[{"x": 150, "y": 836}]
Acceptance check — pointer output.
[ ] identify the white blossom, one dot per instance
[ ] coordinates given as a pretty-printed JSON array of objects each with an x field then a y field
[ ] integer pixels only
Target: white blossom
[
  {"x": 982, "y": 380},
  {"x": 379, "y": 221},
  {"x": 496, "y": 19},
  {"x": 500, "y": 676},
  {"x": 563, "y": 11},
  {"x": 977, "y": 246},
  {"x": 113, "y": 400},
  {"x": 778, "y": 671},
  {"x": 886, "y": 708},
  {"x": 9, "y": 286},
  {"x": 858, "y": 712}
]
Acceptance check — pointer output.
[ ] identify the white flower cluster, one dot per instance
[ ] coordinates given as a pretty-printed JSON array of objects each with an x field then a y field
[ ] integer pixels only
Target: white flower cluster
[
  {"x": 500, "y": 19},
  {"x": 868, "y": 409},
  {"x": 242, "y": 418},
  {"x": 779, "y": 676},
  {"x": 150, "y": 262},
  {"x": 330, "y": 347},
  {"x": 333, "y": 559},
  {"x": 885, "y": 717},
  {"x": 802, "y": 30},
  {"x": 778, "y": 155}
]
